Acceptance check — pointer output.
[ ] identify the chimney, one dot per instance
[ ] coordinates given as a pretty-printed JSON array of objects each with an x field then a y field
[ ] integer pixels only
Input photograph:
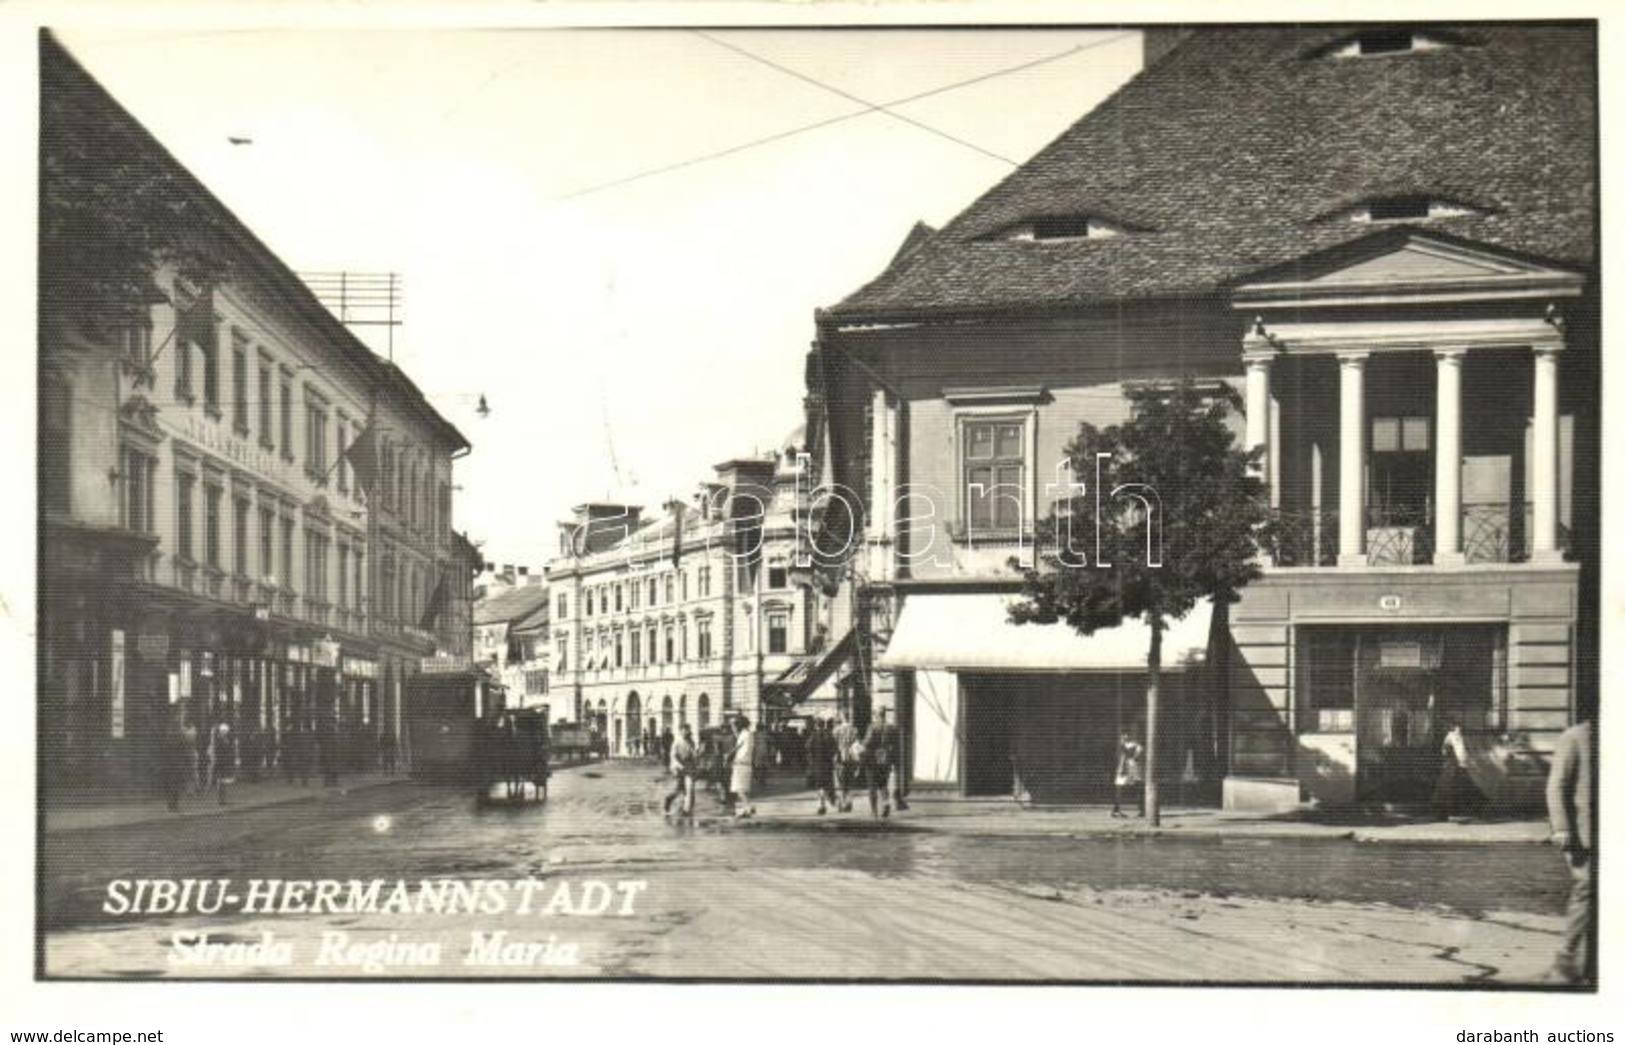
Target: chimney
[{"x": 1158, "y": 40}]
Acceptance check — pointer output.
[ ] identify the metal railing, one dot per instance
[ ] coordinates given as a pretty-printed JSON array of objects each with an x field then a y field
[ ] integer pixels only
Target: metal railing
[{"x": 1302, "y": 538}]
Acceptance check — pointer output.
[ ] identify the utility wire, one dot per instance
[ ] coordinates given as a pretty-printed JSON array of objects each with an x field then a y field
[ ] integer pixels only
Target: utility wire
[
  {"x": 868, "y": 105},
  {"x": 816, "y": 125}
]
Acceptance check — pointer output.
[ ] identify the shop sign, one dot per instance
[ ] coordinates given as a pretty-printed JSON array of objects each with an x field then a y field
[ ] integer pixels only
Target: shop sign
[
  {"x": 152, "y": 645},
  {"x": 1401, "y": 654},
  {"x": 444, "y": 665},
  {"x": 361, "y": 669},
  {"x": 298, "y": 654},
  {"x": 325, "y": 654},
  {"x": 115, "y": 683}
]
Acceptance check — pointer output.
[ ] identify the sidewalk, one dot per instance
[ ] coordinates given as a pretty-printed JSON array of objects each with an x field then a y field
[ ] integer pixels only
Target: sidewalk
[
  {"x": 1004, "y": 818},
  {"x": 80, "y": 811}
]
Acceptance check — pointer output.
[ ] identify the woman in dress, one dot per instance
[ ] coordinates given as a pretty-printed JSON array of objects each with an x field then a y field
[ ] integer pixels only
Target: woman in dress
[
  {"x": 744, "y": 768},
  {"x": 1129, "y": 753}
]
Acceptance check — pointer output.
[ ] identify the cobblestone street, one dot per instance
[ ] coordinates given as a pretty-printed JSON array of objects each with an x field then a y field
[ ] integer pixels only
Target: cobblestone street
[{"x": 795, "y": 896}]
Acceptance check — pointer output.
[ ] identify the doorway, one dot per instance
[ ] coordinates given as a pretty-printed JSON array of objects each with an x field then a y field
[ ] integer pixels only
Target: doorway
[{"x": 989, "y": 731}]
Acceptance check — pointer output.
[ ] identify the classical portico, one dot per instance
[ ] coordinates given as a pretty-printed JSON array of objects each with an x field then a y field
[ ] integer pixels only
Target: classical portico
[{"x": 1399, "y": 468}]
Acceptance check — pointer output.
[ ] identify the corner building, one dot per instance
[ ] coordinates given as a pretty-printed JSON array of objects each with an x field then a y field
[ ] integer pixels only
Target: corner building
[{"x": 245, "y": 515}]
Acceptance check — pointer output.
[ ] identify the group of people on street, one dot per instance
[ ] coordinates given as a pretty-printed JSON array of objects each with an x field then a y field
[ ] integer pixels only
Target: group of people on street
[{"x": 838, "y": 759}]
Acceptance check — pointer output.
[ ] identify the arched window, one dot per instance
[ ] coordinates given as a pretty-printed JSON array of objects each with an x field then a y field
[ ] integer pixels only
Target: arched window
[
  {"x": 682, "y": 710},
  {"x": 704, "y": 711},
  {"x": 634, "y": 715},
  {"x": 665, "y": 714}
]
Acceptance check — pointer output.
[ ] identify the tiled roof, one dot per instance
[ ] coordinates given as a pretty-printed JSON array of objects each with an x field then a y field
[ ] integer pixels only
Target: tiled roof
[
  {"x": 1236, "y": 151},
  {"x": 510, "y": 605}
]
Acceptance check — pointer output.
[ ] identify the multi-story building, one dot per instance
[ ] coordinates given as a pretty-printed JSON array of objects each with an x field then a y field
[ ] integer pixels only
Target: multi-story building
[
  {"x": 1384, "y": 235},
  {"x": 691, "y": 615},
  {"x": 245, "y": 514},
  {"x": 511, "y": 636}
]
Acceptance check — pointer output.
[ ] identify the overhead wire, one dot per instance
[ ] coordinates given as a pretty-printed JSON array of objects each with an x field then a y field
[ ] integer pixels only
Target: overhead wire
[{"x": 869, "y": 107}]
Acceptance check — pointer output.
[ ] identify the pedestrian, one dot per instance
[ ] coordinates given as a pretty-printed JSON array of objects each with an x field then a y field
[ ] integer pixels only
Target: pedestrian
[
  {"x": 175, "y": 762},
  {"x": 848, "y": 758},
  {"x": 744, "y": 769},
  {"x": 883, "y": 751},
  {"x": 221, "y": 760},
  {"x": 1569, "y": 790},
  {"x": 685, "y": 764},
  {"x": 666, "y": 743},
  {"x": 820, "y": 752},
  {"x": 1454, "y": 793},
  {"x": 1129, "y": 754}
]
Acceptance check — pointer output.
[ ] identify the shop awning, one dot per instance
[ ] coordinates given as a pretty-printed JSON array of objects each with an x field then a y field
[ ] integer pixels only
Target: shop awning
[
  {"x": 802, "y": 679},
  {"x": 972, "y": 632}
]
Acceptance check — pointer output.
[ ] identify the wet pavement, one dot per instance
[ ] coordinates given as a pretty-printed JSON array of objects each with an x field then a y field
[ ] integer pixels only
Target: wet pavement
[{"x": 716, "y": 898}]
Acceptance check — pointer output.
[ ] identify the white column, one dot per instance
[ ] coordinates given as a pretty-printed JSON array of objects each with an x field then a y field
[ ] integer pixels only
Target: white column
[
  {"x": 1447, "y": 459},
  {"x": 1543, "y": 462},
  {"x": 1258, "y": 409},
  {"x": 1351, "y": 460}
]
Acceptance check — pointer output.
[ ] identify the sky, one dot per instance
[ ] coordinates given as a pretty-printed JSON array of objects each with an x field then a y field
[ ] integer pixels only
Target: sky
[{"x": 632, "y": 311}]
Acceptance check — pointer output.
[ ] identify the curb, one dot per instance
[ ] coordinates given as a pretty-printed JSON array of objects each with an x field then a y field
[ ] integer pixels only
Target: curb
[
  {"x": 909, "y": 825},
  {"x": 170, "y": 818}
]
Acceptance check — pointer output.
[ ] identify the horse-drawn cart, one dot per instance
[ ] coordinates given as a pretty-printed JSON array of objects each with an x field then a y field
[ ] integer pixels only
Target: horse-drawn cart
[{"x": 514, "y": 757}]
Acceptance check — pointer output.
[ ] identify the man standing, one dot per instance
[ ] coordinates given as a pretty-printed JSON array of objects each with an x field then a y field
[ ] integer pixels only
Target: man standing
[
  {"x": 821, "y": 759},
  {"x": 685, "y": 761},
  {"x": 1574, "y": 827},
  {"x": 847, "y": 748},
  {"x": 884, "y": 750}
]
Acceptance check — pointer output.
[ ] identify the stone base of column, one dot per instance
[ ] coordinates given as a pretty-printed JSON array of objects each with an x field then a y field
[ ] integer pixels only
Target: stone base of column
[
  {"x": 1345, "y": 561},
  {"x": 1449, "y": 559},
  {"x": 1553, "y": 557}
]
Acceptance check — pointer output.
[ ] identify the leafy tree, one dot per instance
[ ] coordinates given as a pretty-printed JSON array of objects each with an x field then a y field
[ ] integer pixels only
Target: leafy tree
[
  {"x": 114, "y": 206},
  {"x": 1168, "y": 512}
]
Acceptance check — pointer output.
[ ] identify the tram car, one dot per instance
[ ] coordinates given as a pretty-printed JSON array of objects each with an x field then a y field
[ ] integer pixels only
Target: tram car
[{"x": 450, "y": 708}]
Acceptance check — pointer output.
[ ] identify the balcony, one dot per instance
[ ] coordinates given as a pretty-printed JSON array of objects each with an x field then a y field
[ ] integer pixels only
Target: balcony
[
  {"x": 1303, "y": 538},
  {"x": 1490, "y": 533}
]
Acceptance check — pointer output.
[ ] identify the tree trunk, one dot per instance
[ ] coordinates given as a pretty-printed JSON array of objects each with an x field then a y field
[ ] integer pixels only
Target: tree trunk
[{"x": 1153, "y": 664}]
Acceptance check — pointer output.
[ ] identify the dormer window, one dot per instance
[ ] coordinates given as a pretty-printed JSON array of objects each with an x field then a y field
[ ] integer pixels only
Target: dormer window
[
  {"x": 1388, "y": 40},
  {"x": 1053, "y": 228},
  {"x": 1413, "y": 207}
]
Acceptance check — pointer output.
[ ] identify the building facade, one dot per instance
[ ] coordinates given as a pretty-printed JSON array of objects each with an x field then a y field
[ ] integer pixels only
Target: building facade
[
  {"x": 511, "y": 635},
  {"x": 209, "y": 549},
  {"x": 692, "y": 615},
  {"x": 1408, "y": 309}
]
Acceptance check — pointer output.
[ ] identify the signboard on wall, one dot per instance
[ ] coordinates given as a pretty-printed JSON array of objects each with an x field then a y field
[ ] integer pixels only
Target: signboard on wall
[{"x": 115, "y": 683}]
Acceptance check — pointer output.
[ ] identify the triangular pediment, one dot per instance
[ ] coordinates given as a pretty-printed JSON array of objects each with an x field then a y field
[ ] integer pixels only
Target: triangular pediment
[
  {"x": 1408, "y": 265},
  {"x": 1426, "y": 259}
]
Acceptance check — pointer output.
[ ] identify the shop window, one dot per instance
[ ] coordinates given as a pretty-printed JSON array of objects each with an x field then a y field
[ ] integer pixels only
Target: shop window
[
  {"x": 1326, "y": 681},
  {"x": 56, "y": 444}
]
